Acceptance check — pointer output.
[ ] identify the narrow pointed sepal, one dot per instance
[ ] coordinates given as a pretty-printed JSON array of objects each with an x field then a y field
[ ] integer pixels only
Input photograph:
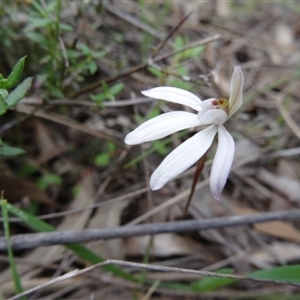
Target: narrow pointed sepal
[
  {"x": 174, "y": 95},
  {"x": 222, "y": 162},
  {"x": 162, "y": 126},
  {"x": 236, "y": 90},
  {"x": 183, "y": 157}
]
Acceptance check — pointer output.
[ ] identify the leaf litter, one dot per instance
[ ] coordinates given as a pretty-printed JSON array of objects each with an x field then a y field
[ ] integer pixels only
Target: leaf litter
[{"x": 63, "y": 137}]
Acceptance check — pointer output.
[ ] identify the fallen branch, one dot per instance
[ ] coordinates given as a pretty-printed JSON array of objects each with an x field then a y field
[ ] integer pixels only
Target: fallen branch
[{"x": 32, "y": 240}]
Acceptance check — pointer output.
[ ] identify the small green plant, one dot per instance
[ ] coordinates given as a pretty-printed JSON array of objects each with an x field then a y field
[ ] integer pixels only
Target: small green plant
[
  {"x": 48, "y": 180},
  {"x": 103, "y": 159},
  {"x": 9, "y": 99},
  {"x": 108, "y": 93},
  {"x": 65, "y": 63},
  {"x": 44, "y": 29}
]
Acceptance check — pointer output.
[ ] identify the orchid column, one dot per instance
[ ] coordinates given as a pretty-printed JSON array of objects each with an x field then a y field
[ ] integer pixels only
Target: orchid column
[{"x": 213, "y": 112}]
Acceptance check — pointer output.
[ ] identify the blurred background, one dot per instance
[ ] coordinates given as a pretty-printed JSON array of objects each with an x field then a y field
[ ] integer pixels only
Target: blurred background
[{"x": 90, "y": 60}]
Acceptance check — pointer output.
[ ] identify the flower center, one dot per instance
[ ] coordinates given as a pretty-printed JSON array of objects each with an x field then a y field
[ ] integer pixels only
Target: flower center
[
  {"x": 220, "y": 103},
  {"x": 214, "y": 111}
]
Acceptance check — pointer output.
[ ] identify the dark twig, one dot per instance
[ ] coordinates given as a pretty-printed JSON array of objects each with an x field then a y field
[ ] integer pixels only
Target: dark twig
[
  {"x": 26, "y": 241},
  {"x": 170, "y": 34}
]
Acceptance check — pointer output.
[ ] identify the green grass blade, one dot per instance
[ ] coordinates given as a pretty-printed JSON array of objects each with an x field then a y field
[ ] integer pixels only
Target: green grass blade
[
  {"x": 83, "y": 252},
  {"x": 210, "y": 284},
  {"x": 19, "y": 92},
  {"x": 283, "y": 273},
  {"x": 15, "y": 74},
  {"x": 15, "y": 275}
]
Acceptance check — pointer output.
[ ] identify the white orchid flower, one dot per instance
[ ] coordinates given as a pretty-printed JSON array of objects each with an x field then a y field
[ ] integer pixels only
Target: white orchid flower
[{"x": 213, "y": 112}]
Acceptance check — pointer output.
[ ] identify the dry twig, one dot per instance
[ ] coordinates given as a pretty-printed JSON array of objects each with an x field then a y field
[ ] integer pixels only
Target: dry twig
[{"x": 26, "y": 241}]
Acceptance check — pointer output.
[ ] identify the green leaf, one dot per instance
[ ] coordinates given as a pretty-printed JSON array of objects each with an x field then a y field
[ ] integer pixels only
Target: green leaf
[
  {"x": 85, "y": 49},
  {"x": 47, "y": 180},
  {"x": 197, "y": 51},
  {"x": 3, "y": 93},
  {"x": 65, "y": 27},
  {"x": 180, "y": 84},
  {"x": 111, "y": 147},
  {"x": 11, "y": 151},
  {"x": 160, "y": 147},
  {"x": 283, "y": 273},
  {"x": 105, "y": 88},
  {"x": 92, "y": 67},
  {"x": 3, "y": 106},
  {"x": 38, "y": 38},
  {"x": 102, "y": 160},
  {"x": 40, "y": 9},
  {"x": 19, "y": 92},
  {"x": 182, "y": 71},
  {"x": 154, "y": 112},
  {"x": 38, "y": 23},
  {"x": 117, "y": 88},
  {"x": 98, "y": 54},
  {"x": 15, "y": 75},
  {"x": 155, "y": 72},
  {"x": 99, "y": 98},
  {"x": 179, "y": 42},
  {"x": 72, "y": 53}
]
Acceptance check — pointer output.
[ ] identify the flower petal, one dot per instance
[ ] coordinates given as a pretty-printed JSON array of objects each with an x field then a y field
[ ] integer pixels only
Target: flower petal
[
  {"x": 222, "y": 162},
  {"x": 236, "y": 90},
  {"x": 183, "y": 157},
  {"x": 162, "y": 126},
  {"x": 175, "y": 95},
  {"x": 213, "y": 116}
]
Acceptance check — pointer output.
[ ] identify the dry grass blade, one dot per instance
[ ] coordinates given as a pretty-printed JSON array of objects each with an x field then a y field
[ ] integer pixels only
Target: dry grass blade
[
  {"x": 150, "y": 268},
  {"x": 287, "y": 117}
]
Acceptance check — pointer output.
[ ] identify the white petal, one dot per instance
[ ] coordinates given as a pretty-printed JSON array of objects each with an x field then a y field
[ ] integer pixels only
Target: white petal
[
  {"x": 205, "y": 104},
  {"x": 162, "y": 126},
  {"x": 236, "y": 90},
  {"x": 175, "y": 95},
  {"x": 183, "y": 157},
  {"x": 222, "y": 162},
  {"x": 213, "y": 116}
]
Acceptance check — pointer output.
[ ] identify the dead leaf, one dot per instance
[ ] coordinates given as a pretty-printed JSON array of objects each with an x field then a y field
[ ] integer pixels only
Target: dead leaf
[
  {"x": 163, "y": 245},
  {"x": 287, "y": 168},
  {"x": 43, "y": 138},
  {"x": 279, "y": 229},
  {"x": 49, "y": 142},
  {"x": 16, "y": 188},
  {"x": 105, "y": 217},
  {"x": 277, "y": 253},
  {"x": 288, "y": 186}
]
